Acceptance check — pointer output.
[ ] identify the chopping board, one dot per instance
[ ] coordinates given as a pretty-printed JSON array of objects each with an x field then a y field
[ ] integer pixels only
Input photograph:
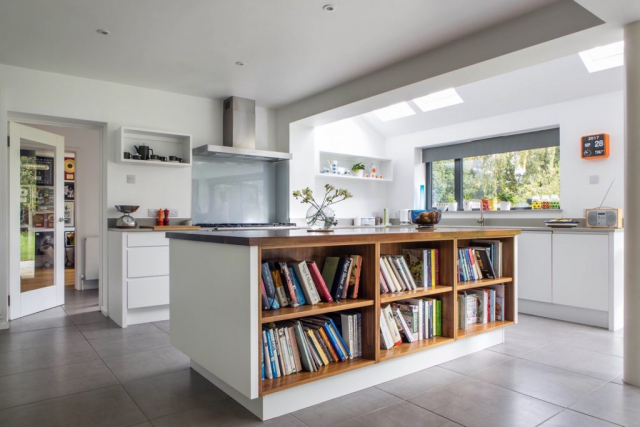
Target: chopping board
[{"x": 171, "y": 227}]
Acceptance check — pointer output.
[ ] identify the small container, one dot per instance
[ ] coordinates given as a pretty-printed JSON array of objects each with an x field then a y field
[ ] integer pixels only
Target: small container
[
  {"x": 546, "y": 202},
  {"x": 535, "y": 203},
  {"x": 166, "y": 217},
  {"x": 160, "y": 217},
  {"x": 368, "y": 220},
  {"x": 555, "y": 202},
  {"x": 127, "y": 155}
]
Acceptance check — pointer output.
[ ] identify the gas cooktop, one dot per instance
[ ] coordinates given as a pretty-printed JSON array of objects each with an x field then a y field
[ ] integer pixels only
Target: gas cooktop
[{"x": 250, "y": 226}]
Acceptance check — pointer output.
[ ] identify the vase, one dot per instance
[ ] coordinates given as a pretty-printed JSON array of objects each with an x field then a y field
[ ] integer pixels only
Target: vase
[
  {"x": 505, "y": 206},
  {"x": 320, "y": 219},
  {"x": 453, "y": 206},
  {"x": 360, "y": 173}
]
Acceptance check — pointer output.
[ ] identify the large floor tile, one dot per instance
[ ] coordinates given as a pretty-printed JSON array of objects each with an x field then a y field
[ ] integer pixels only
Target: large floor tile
[
  {"x": 107, "y": 407},
  {"x": 136, "y": 366},
  {"x": 571, "y": 418},
  {"x": 517, "y": 345},
  {"x": 543, "y": 382},
  {"x": 88, "y": 317},
  {"x": 475, "y": 403},
  {"x": 346, "y": 407},
  {"x": 34, "y": 386},
  {"x": 117, "y": 346},
  {"x": 175, "y": 392},
  {"x": 603, "y": 342},
  {"x": 223, "y": 414},
  {"x": 403, "y": 414},
  {"x": 616, "y": 403},
  {"x": 49, "y": 356},
  {"x": 53, "y": 318},
  {"x": 164, "y": 325},
  {"x": 40, "y": 338},
  {"x": 586, "y": 362},
  {"x": 419, "y": 382},
  {"x": 475, "y": 362},
  {"x": 109, "y": 328}
]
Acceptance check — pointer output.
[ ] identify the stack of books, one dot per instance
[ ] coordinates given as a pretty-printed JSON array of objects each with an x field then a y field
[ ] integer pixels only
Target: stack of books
[
  {"x": 409, "y": 321},
  {"x": 395, "y": 275},
  {"x": 292, "y": 284},
  {"x": 310, "y": 343},
  {"x": 479, "y": 306},
  {"x": 424, "y": 266},
  {"x": 481, "y": 260}
]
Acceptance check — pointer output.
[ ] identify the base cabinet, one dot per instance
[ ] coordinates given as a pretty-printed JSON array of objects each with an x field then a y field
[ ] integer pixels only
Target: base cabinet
[{"x": 534, "y": 266}]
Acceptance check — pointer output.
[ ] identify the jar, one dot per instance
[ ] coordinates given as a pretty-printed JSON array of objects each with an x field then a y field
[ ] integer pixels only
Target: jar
[
  {"x": 535, "y": 202},
  {"x": 546, "y": 202},
  {"x": 555, "y": 202}
]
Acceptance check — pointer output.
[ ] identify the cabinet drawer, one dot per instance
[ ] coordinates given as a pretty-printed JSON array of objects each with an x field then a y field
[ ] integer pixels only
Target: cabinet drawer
[
  {"x": 146, "y": 239},
  {"x": 148, "y": 292},
  {"x": 147, "y": 262}
]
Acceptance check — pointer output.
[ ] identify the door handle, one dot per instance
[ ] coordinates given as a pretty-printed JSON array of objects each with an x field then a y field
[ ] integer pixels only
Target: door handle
[{"x": 61, "y": 219}]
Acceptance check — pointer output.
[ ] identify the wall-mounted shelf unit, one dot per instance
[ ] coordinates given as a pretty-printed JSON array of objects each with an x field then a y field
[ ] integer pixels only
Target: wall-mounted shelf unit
[
  {"x": 162, "y": 143},
  {"x": 385, "y": 166}
]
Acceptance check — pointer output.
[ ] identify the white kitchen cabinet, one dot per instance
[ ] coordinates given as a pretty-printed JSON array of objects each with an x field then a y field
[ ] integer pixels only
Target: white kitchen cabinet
[
  {"x": 581, "y": 270},
  {"x": 534, "y": 266},
  {"x": 138, "y": 277}
]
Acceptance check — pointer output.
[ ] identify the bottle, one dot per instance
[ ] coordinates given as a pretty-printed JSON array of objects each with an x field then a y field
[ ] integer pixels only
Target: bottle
[
  {"x": 166, "y": 217},
  {"x": 160, "y": 217}
]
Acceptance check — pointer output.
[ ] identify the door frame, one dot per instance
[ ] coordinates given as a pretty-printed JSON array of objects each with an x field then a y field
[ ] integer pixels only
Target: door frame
[{"x": 37, "y": 119}]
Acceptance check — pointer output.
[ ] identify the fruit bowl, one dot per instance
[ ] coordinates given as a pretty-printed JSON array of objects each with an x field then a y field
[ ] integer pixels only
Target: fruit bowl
[{"x": 426, "y": 218}]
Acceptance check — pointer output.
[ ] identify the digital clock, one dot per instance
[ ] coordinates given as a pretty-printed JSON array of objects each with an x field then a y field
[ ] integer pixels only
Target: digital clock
[{"x": 595, "y": 146}]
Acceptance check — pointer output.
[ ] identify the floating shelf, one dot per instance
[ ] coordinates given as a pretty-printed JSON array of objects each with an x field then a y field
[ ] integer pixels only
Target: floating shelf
[
  {"x": 293, "y": 380},
  {"x": 351, "y": 177},
  {"x": 385, "y": 165},
  {"x": 162, "y": 143},
  {"x": 476, "y": 329},
  {"x": 420, "y": 292},
  {"x": 288, "y": 313},
  {"x": 413, "y": 347},
  {"x": 154, "y": 163},
  {"x": 484, "y": 282}
]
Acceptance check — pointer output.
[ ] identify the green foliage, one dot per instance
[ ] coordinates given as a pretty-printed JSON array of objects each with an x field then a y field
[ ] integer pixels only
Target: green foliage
[
  {"x": 506, "y": 196},
  {"x": 332, "y": 196},
  {"x": 443, "y": 181},
  {"x": 357, "y": 167}
]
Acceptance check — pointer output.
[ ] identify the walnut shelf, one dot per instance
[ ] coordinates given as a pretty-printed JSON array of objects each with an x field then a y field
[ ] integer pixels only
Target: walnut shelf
[
  {"x": 287, "y": 313},
  {"x": 484, "y": 282},
  {"x": 485, "y": 327},
  {"x": 418, "y": 293},
  {"x": 293, "y": 380},
  {"x": 409, "y": 348}
]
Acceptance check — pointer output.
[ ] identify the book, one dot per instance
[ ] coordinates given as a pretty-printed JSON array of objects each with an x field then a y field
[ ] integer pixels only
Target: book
[
  {"x": 383, "y": 284},
  {"x": 345, "y": 290},
  {"x": 415, "y": 261},
  {"x": 269, "y": 360},
  {"x": 405, "y": 331},
  {"x": 337, "y": 336},
  {"x": 290, "y": 290},
  {"x": 408, "y": 283},
  {"x": 438, "y": 318},
  {"x": 296, "y": 284},
  {"x": 419, "y": 304},
  {"x": 411, "y": 317},
  {"x": 318, "y": 281},
  {"x": 329, "y": 271},
  {"x": 296, "y": 350},
  {"x": 354, "y": 280},
  {"x": 306, "y": 282},
  {"x": 283, "y": 351},
  {"x": 386, "y": 341},
  {"x": 263, "y": 294},
  {"x": 387, "y": 278},
  {"x": 404, "y": 285},
  {"x": 482, "y": 304},
  {"x": 340, "y": 279},
  {"x": 290, "y": 351},
  {"x": 405, "y": 270},
  {"x": 499, "y": 302},
  {"x": 280, "y": 292},
  {"x": 305, "y": 356},
  {"x": 318, "y": 348},
  {"x": 269, "y": 286},
  {"x": 392, "y": 276},
  {"x": 484, "y": 261},
  {"x": 391, "y": 323},
  {"x": 462, "y": 312}
]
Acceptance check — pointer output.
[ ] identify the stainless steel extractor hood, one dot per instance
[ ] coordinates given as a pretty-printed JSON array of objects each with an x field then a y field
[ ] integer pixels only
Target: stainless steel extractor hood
[{"x": 239, "y": 135}]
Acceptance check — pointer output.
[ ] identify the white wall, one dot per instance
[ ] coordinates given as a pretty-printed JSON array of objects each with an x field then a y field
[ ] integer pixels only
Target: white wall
[
  {"x": 604, "y": 113},
  {"x": 350, "y": 136}
]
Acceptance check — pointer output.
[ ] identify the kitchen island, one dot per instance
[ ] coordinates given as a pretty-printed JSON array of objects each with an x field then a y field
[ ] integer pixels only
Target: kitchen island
[{"x": 217, "y": 316}]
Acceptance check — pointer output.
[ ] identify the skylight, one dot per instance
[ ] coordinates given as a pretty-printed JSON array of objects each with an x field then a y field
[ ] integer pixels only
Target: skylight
[
  {"x": 444, "y": 98},
  {"x": 394, "y": 111},
  {"x": 603, "y": 57}
]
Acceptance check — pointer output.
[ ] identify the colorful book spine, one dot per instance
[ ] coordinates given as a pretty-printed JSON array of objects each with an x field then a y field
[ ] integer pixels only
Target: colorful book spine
[
  {"x": 354, "y": 280},
  {"x": 296, "y": 284},
  {"x": 306, "y": 280},
  {"x": 263, "y": 293},
  {"x": 437, "y": 267},
  {"x": 290, "y": 290},
  {"x": 269, "y": 287},
  {"x": 318, "y": 281},
  {"x": 341, "y": 278},
  {"x": 281, "y": 294}
]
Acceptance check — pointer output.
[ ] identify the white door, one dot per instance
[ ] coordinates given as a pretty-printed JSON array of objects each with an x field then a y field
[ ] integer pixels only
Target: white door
[{"x": 36, "y": 220}]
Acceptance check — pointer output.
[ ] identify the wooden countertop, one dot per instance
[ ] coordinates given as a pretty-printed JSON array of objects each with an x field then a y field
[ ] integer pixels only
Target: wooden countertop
[{"x": 338, "y": 236}]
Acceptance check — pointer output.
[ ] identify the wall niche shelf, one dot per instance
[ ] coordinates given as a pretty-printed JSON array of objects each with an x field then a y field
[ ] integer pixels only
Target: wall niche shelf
[
  {"x": 162, "y": 143},
  {"x": 346, "y": 161}
]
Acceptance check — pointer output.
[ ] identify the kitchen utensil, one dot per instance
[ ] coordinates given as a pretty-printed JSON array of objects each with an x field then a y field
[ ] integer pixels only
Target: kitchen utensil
[
  {"x": 333, "y": 164},
  {"x": 136, "y": 157},
  {"x": 173, "y": 158},
  {"x": 127, "y": 155},
  {"x": 126, "y": 220},
  {"x": 153, "y": 157},
  {"x": 144, "y": 151}
]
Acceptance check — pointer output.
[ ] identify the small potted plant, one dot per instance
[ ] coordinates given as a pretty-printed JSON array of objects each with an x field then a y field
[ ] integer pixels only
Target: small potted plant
[
  {"x": 452, "y": 204},
  {"x": 358, "y": 169},
  {"x": 319, "y": 215},
  {"x": 506, "y": 199}
]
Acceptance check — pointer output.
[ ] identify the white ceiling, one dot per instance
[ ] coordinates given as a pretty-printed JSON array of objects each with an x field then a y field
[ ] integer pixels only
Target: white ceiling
[
  {"x": 292, "y": 48},
  {"x": 561, "y": 80}
]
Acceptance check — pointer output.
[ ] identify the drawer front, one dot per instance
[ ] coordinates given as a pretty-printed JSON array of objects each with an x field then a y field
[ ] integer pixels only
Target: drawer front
[
  {"x": 140, "y": 239},
  {"x": 148, "y": 292},
  {"x": 147, "y": 262}
]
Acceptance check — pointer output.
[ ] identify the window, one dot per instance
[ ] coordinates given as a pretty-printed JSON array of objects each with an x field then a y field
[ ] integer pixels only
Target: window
[{"x": 524, "y": 165}]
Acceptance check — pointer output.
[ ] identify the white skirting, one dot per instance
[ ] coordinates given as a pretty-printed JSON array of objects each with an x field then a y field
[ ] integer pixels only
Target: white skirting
[{"x": 293, "y": 399}]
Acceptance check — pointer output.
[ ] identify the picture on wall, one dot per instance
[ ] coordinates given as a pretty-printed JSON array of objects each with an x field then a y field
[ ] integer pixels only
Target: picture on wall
[
  {"x": 38, "y": 220},
  {"x": 69, "y": 191},
  {"x": 44, "y": 249},
  {"x": 44, "y": 173},
  {"x": 69, "y": 239},
  {"x": 45, "y": 199},
  {"x": 69, "y": 168},
  {"x": 69, "y": 214}
]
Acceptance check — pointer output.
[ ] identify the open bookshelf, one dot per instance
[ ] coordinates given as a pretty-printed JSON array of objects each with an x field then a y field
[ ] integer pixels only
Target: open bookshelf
[{"x": 370, "y": 299}]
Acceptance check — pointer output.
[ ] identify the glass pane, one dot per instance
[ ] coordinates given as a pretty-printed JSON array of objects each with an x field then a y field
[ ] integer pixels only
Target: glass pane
[
  {"x": 442, "y": 182},
  {"x": 37, "y": 217},
  {"x": 524, "y": 174}
]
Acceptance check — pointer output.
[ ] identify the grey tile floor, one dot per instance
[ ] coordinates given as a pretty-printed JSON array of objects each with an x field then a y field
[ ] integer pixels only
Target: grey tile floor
[{"x": 71, "y": 366}]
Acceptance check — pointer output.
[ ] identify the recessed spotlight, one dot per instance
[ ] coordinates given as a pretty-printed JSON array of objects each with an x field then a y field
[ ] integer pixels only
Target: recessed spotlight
[
  {"x": 240, "y": 64},
  {"x": 603, "y": 57},
  {"x": 328, "y": 8},
  {"x": 103, "y": 32}
]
